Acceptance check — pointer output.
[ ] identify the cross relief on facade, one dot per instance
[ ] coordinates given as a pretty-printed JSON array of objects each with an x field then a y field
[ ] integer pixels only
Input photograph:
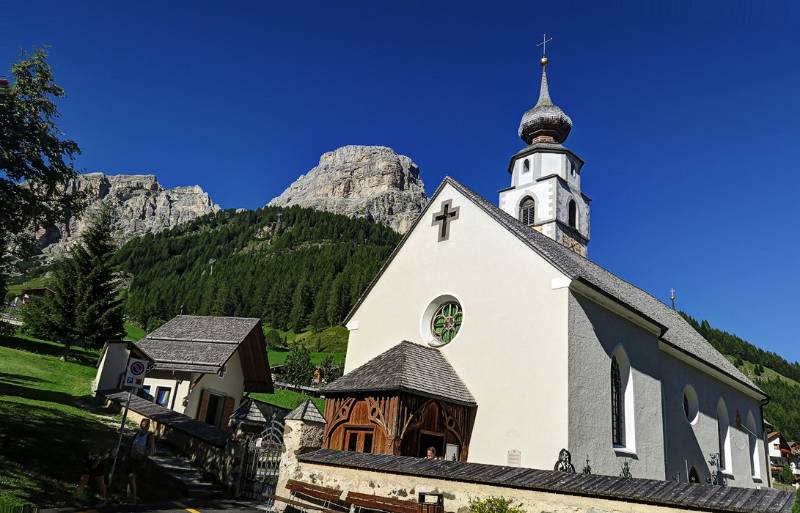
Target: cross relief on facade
[{"x": 444, "y": 217}]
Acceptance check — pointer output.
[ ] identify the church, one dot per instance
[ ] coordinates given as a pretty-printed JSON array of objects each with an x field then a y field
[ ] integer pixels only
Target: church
[{"x": 490, "y": 337}]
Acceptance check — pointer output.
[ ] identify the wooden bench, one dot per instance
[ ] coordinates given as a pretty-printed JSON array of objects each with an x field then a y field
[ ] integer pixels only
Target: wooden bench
[
  {"x": 311, "y": 490},
  {"x": 374, "y": 502},
  {"x": 301, "y": 505}
]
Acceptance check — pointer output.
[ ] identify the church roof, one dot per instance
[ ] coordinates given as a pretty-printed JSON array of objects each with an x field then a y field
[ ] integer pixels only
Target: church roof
[
  {"x": 678, "y": 333},
  {"x": 407, "y": 367}
]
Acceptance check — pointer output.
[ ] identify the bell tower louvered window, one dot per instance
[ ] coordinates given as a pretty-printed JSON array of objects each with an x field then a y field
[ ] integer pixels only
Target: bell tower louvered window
[{"x": 527, "y": 211}]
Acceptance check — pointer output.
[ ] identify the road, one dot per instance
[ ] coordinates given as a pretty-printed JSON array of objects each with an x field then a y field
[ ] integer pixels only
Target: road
[{"x": 221, "y": 506}]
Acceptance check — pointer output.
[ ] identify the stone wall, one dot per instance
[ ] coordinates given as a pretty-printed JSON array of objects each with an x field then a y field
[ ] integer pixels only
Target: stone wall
[{"x": 536, "y": 491}]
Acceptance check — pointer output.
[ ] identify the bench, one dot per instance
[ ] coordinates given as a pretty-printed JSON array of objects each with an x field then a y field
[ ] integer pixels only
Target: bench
[
  {"x": 301, "y": 505},
  {"x": 374, "y": 502},
  {"x": 328, "y": 496}
]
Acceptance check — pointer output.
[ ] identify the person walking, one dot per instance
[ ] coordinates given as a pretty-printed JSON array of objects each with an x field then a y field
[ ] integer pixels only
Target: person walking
[{"x": 142, "y": 446}]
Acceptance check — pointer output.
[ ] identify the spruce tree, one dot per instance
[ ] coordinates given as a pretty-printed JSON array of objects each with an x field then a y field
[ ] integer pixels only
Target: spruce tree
[{"x": 98, "y": 307}]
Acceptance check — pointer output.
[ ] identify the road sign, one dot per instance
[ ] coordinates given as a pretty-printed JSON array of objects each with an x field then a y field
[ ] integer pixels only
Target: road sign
[{"x": 134, "y": 377}]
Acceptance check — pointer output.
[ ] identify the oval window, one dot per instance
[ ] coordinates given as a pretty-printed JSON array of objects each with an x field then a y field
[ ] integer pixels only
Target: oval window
[
  {"x": 690, "y": 404},
  {"x": 446, "y": 321}
]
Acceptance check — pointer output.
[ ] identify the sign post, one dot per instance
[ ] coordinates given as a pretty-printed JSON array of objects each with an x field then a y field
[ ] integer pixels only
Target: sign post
[{"x": 134, "y": 378}]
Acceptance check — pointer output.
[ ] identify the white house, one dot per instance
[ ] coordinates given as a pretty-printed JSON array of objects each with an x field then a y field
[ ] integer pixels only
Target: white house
[
  {"x": 202, "y": 365},
  {"x": 530, "y": 347}
]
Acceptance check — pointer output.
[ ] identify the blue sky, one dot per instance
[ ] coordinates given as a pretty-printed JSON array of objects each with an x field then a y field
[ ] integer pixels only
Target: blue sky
[{"x": 685, "y": 113}]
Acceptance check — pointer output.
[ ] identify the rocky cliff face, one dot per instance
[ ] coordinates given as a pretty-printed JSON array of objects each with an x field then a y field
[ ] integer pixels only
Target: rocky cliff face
[
  {"x": 361, "y": 181},
  {"x": 140, "y": 205}
]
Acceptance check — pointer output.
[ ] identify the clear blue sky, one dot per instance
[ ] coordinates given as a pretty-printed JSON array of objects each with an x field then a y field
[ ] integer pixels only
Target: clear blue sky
[{"x": 686, "y": 114}]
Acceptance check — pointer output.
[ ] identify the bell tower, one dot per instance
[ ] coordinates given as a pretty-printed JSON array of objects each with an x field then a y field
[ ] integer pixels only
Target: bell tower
[{"x": 545, "y": 191}]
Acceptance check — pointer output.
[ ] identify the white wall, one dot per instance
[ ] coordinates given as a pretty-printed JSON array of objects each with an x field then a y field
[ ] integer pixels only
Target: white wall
[
  {"x": 111, "y": 367},
  {"x": 232, "y": 385},
  {"x": 511, "y": 351}
]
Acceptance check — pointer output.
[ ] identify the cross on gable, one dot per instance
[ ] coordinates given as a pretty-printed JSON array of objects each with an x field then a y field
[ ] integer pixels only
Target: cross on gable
[{"x": 444, "y": 217}]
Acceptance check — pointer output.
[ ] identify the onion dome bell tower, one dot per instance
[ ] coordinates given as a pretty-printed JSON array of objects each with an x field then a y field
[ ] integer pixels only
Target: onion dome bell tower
[{"x": 545, "y": 191}]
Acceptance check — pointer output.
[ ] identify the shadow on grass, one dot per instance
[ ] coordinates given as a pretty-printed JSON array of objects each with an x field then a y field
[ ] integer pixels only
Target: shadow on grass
[
  {"x": 76, "y": 354},
  {"x": 36, "y": 394},
  {"x": 44, "y": 453}
]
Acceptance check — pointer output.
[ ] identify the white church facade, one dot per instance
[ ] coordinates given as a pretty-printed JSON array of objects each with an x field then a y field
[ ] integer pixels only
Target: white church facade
[{"x": 490, "y": 336}]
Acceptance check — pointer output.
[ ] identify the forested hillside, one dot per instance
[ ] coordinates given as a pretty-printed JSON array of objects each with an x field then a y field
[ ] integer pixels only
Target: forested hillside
[
  {"x": 294, "y": 268},
  {"x": 782, "y": 385}
]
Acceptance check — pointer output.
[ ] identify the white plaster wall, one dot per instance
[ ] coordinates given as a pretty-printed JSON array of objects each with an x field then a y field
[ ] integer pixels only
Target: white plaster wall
[
  {"x": 181, "y": 392},
  {"x": 773, "y": 452},
  {"x": 511, "y": 351},
  {"x": 232, "y": 385},
  {"x": 543, "y": 194},
  {"x": 112, "y": 366},
  {"x": 691, "y": 444}
]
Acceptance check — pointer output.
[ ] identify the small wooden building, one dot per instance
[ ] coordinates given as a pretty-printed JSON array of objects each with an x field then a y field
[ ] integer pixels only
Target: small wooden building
[{"x": 401, "y": 402}]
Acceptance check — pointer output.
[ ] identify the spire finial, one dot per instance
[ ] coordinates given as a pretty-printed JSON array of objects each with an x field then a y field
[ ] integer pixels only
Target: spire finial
[{"x": 543, "y": 44}]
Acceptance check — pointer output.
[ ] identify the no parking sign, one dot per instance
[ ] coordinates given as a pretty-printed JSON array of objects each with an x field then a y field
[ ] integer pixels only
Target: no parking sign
[{"x": 134, "y": 377}]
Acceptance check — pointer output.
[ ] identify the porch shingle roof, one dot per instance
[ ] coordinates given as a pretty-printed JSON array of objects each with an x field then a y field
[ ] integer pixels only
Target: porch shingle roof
[{"x": 407, "y": 367}]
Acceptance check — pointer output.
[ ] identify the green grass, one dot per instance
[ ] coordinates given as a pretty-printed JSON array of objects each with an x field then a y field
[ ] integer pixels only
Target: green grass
[
  {"x": 327, "y": 340},
  {"x": 133, "y": 332},
  {"x": 288, "y": 399},
  {"x": 279, "y": 357},
  {"x": 749, "y": 370},
  {"x": 15, "y": 289},
  {"x": 45, "y": 427}
]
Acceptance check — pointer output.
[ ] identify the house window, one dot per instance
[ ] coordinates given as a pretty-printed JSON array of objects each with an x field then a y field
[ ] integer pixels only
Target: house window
[
  {"x": 694, "y": 477},
  {"x": 527, "y": 211},
  {"x": 162, "y": 395},
  {"x": 572, "y": 210},
  {"x": 617, "y": 405},
  {"x": 526, "y": 165}
]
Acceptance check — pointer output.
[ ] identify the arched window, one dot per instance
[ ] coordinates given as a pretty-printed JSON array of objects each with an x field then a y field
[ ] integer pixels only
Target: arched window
[
  {"x": 617, "y": 405},
  {"x": 724, "y": 435},
  {"x": 527, "y": 211},
  {"x": 752, "y": 435},
  {"x": 526, "y": 165},
  {"x": 693, "y": 476},
  {"x": 623, "y": 432},
  {"x": 573, "y": 213}
]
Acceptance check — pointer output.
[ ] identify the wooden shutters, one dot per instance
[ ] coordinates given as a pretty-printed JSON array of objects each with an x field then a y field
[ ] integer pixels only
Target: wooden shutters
[
  {"x": 202, "y": 409},
  {"x": 227, "y": 409}
]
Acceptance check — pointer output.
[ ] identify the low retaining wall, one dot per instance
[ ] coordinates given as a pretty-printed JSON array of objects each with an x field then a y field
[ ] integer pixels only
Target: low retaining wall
[
  {"x": 204, "y": 445},
  {"x": 536, "y": 490}
]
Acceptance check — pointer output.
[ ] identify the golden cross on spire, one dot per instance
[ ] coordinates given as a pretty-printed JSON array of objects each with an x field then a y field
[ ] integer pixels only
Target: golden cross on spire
[{"x": 543, "y": 44}]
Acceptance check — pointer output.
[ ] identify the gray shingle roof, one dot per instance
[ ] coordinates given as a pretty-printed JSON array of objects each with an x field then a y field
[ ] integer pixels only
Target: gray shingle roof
[
  {"x": 407, "y": 367},
  {"x": 307, "y": 411},
  {"x": 196, "y": 343},
  {"x": 173, "y": 419},
  {"x": 257, "y": 412},
  {"x": 679, "y": 333},
  {"x": 680, "y": 496}
]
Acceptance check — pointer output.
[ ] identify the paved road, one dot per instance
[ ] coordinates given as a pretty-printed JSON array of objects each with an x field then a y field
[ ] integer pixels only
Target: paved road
[{"x": 222, "y": 506}]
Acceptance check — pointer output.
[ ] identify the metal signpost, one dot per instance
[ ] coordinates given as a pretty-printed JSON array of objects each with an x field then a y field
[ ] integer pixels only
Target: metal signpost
[{"x": 134, "y": 378}]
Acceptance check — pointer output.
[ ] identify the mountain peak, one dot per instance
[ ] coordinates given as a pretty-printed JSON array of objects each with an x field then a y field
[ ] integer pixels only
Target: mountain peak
[{"x": 361, "y": 181}]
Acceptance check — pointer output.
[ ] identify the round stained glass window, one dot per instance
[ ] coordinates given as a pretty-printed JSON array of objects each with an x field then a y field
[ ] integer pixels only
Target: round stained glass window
[{"x": 446, "y": 321}]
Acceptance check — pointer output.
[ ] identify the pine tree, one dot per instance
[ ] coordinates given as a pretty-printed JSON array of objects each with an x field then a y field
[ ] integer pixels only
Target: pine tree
[
  {"x": 301, "y": 306},
  {"x": 98, "y": 308}
]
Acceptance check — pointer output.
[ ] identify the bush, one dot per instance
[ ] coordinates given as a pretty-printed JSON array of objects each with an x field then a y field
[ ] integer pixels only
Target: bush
[
  {"x": 331, "y": 371},
  {"x": 787, "y": 476},
  {"x": 298, "y": 369},
  {"x": 273, "y": 340},
  {"x": 7, "y": 329},
  {"x": 796, "y": 507},
  {"x": 494, "y": 505}
]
